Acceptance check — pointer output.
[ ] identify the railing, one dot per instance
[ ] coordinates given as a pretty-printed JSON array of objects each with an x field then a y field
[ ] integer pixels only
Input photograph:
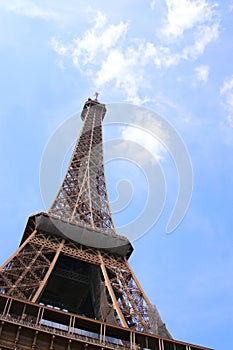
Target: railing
[
  {"x": 56, "y": 331},
  {"x": 81, "y": 329}
]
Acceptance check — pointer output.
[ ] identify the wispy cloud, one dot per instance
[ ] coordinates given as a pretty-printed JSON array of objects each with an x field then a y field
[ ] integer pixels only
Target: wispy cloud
[
  {"x": 226, "y": 92},
  {"x": 202, "y": 73},
  {"x": 108, "y": 56},
  {"x": 120, "y": 67},
  {"x": 145, "y": 140},
  {"x": 231, "y": 6},
  {"x": 185, "y": 14},
  {"x": 96, "y": 41},
  {"x": 29, "y": 9},
  {"x": 152, "y": 4}
]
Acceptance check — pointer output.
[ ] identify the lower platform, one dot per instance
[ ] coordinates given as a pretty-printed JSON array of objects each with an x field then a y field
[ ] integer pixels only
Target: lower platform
[
  {"x": 25, "y": 326},
  {"x": 81, "y": 234}
]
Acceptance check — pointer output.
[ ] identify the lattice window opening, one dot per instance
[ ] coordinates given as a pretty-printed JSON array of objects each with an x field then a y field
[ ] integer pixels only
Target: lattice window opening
[
  {"x": 72, "y": 187},
  {"x": 29, "y": 265},
  {"x": 4, "y": 283},
  {"x": 8, "y": 266},
  {"x": 28, "y": 274},
  {"x": 20, "y": 264}
]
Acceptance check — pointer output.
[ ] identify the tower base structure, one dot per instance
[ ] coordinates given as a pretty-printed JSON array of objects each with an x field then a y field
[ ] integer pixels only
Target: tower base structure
[{"x": 49, "y": 303}]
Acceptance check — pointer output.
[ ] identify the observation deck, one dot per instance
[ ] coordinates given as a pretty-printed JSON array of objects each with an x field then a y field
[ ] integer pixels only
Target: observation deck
[{"x": 25, "y": 326}]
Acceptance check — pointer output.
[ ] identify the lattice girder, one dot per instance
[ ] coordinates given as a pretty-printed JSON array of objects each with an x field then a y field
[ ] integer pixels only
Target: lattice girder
[
  {"x": 22, "y": 275},
  {"x": 27, "y": 275},
  {"x": 82, "y": 196}
]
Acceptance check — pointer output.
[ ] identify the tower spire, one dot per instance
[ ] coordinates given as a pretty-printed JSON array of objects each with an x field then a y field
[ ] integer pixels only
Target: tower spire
[
  {"x": 96, "y": 96},
  {"x": 83, "y": 196}
]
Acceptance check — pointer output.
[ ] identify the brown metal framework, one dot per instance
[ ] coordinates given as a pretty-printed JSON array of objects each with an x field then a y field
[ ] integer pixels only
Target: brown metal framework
[
  {"x": 25, "y": 326},
  {"x": 72, "y": 260},
  {"x": 41, "y": 257},
  {"x": 82, "y": 196}
]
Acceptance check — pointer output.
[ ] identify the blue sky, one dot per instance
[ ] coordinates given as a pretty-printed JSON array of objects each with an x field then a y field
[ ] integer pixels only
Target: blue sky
[{"x": 172, "y": 57}]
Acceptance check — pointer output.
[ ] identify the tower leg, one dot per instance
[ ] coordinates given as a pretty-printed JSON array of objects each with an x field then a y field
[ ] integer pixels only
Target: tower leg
[
  {"x": 111, "y": 292},
  {"x": 18, "y": 250},
  {"x": 51, "y": 267},
  {"x": 24, "y": 272}
]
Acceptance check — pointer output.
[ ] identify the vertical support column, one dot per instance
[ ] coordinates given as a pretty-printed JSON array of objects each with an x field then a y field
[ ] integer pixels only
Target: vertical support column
[
  {"x": 7, "y": 306},
  {"x": 101, "y": 332},
  {"x": 133, "y": 345},
  {"x": 34, "y": 340},
  {"x": 71, "y": 324},
  {"x": 147, "y": 346},
  {"x": 1, "y": 327},
  {"x": 104, "y": 333},
  {"x": 111, "y": 292},
  {"x": 52, "y": 342},
  {"x": 17, "y": 336},
  {"x": 69, "y": 344},
  {"x": 43, "y": 283},
  {"x": 23, "y": 316},
  {"x": 40, "y": 315}
]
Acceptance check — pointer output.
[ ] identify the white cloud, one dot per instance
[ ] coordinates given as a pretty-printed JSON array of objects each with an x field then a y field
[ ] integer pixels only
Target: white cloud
[
  {"x": 118, "y": 67},
  {"x": 60, "y": 64},
  {"x": 101, "y": 46},
  {"x": 146, "y": 141},
  {"x": 228, "y": 87},
  {"x": 125, "y": 69},
  {"x": 108, "y": 56},
  {"x": 202, "y": 73},
  {"x": 205, "y": 35},
  {"x": 94, "y": 43},
  {"x": 58, "y": 47},
  {"x": 226, "y": 92},
  {"x": 29, "y": 9},
  {"x": 185, "y": 14},
  {"x": 152, "y": 4},
  {"x": 231, "y": 6},
  {"x": 100, "y": 19}
]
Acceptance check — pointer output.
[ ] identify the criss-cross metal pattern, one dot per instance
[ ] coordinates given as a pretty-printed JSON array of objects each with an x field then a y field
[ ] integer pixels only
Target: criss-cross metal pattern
[
  {"x": 26, "y": 273},
  {"x": 82, "y": 196},
  {"x": 45, "y": 258}
]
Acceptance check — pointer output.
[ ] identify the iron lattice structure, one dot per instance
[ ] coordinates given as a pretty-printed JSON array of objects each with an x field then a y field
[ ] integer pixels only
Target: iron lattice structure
[
  {"x": 72, "y": 261},
  {"x": 82, "y": 196}
]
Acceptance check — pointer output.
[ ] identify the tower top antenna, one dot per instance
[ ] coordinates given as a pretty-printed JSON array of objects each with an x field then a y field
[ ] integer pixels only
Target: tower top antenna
[{"x": 96, "y": 96}]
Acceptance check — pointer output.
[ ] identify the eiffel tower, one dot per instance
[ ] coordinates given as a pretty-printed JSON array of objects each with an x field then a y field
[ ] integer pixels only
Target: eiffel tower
[{"x": 69, "y": 284}]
